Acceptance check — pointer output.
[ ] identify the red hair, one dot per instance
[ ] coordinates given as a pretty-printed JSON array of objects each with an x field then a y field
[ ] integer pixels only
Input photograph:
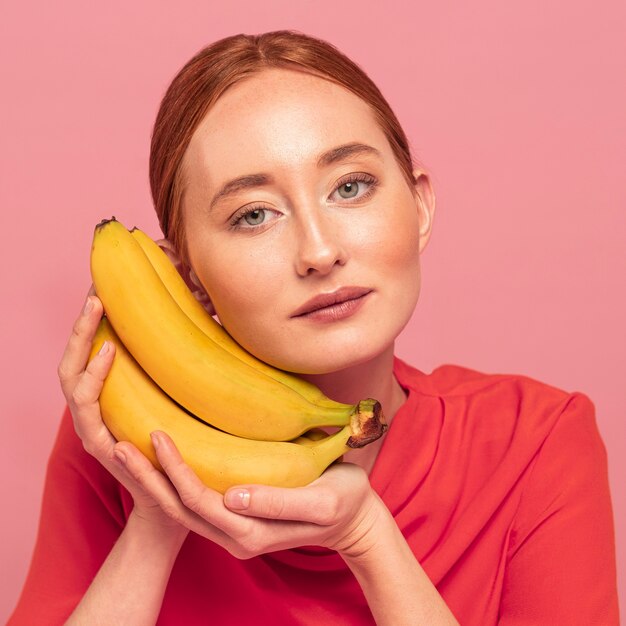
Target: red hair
[{"x": 205, "y": 77}]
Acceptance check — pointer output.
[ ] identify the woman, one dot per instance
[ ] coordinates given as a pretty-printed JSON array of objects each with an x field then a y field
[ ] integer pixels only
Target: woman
[{"x": 280, "y": 175}]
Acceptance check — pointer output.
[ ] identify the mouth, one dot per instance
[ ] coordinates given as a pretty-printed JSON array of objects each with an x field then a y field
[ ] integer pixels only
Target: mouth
[{"x": 333, "y": 305}]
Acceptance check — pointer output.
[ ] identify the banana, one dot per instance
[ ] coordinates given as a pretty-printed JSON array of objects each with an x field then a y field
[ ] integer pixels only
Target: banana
[
  {"x": 198, "y": 373},
  {"x": 132, "y": 406},
  {"x": 310, "y": 437},
  {"x": 185, "y": 299}
]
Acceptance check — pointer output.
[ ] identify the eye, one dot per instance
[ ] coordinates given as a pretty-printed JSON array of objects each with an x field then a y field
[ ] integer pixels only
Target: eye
[
  {"x": 251, "y": 217},
  {"x": 254, "y": 217},
  {"x": 349, "y": 187}
]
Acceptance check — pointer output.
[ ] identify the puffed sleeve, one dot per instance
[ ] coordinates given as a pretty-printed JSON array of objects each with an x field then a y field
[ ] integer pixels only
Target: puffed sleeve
[
  {"x": 81, "y": 517},
  {"x": 561, "y": 562}
]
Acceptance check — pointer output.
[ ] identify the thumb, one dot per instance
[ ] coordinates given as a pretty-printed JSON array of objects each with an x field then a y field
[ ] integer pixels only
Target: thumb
[{"x": 306, "y": 504}]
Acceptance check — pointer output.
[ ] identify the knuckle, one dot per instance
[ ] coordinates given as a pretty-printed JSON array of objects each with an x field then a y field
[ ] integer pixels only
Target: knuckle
[
  {"x": 239, "y": 552},
  {"x": 62, "y": 371},
  {"x": 172, "y": 511},
  {"x": 275, "y": 505},
  {"x": 90, "y": 447},
  {"x": 191, "y": 499},
  {"x": 249, "y": 546},
  {"x": 79, "y": 396},
  {"x": 139, "y": 475},
  {"x": 77, "y": 330}
]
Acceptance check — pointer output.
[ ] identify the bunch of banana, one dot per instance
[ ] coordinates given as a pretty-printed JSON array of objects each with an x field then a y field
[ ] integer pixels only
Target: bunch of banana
[{"x": 234, "y": 418}]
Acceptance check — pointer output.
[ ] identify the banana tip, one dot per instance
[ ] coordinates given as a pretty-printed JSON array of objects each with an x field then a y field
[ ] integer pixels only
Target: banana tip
[{"x": 105, "y": 221}]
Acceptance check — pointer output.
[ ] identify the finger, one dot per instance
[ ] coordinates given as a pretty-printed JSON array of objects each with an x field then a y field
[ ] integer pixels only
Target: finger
[
  {"x": 78, "y": 347},
  {"x": 305, "y": 504},
  {"x": 89, "y": 383},
  {"x": 322, "y": 502},
  {"x": 194, "y": 494},
  {"x": 85, "y": 406}
]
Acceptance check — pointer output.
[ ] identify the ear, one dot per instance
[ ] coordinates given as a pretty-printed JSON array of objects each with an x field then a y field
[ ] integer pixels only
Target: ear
[
  {"x": 189, "y": 276},
  {"x": 425, "y": 202}
]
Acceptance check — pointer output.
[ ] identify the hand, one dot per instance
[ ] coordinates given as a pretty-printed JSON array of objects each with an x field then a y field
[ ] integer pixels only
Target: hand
[
  {"x": 339, "y": 510},
  {"x": 81, "y": 383}
]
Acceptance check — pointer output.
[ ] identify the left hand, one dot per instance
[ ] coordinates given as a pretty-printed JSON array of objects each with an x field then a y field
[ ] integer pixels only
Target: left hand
[{"x": 339, "y": 510}]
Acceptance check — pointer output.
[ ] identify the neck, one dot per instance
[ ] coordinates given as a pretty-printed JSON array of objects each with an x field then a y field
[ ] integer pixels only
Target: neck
[{"x": 372, "y": 379}]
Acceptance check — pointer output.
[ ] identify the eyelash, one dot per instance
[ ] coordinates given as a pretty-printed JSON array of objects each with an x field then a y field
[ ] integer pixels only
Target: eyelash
[{"x": 352, "y": 178}]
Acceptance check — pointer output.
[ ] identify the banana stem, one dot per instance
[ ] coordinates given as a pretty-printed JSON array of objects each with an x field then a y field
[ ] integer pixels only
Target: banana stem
[{"x": 367, "y": 423}]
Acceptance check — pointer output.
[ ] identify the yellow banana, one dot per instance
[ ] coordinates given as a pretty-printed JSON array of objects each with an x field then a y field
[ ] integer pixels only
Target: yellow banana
[
  {"x": 185, "y": 299},
  {"x": 311, "y": 436},
  {"x": 191, "y": 368},
  {"x": 132, "y": 406}
]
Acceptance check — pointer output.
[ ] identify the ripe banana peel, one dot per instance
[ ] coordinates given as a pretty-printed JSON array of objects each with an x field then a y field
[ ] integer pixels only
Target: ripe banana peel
[{"x": 132, "y": 406}]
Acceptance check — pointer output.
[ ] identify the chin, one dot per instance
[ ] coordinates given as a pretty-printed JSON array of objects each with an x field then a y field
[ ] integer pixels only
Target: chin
[{"x": 319, "y": 359}]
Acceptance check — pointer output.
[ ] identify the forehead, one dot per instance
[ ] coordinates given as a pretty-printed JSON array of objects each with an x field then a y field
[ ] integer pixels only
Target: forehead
[{"x": 277, "y": 119}]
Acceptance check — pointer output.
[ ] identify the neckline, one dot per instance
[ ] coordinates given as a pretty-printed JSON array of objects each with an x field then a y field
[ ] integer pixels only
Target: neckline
[
  {"x": 323, "y": 559},
  {"x": 407, "y": 379}
]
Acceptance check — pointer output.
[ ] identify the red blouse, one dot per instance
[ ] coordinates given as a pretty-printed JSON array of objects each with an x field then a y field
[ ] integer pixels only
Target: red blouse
[{"x": 498, "y": 483}]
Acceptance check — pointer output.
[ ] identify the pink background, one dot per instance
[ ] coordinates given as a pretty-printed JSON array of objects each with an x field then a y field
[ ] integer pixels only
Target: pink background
[{"x": 518, "y": 110}]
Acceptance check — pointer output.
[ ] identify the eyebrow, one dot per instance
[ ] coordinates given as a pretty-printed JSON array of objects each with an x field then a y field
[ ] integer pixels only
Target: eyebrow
[{"x": 340, "y": 153}]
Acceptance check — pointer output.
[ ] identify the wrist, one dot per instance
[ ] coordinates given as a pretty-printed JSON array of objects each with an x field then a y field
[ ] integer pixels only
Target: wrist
[
  {"x": 167, "y": 537},
  {"x": 365, "y": 535}
]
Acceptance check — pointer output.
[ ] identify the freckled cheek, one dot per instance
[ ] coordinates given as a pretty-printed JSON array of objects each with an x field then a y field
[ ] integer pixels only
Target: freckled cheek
[{"x": 395, "y": 242}]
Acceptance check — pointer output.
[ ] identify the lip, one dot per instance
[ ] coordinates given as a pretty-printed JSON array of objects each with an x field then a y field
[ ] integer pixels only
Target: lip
[{"x": 323, "y": 300}]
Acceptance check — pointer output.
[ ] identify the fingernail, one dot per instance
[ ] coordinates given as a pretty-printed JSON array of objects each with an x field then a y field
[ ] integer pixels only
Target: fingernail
[
  {"x": 237, "y": 499},
  {"x": 88, "y": 306},
  {"x": 120, "y": 456},
  {"x": 155, "y": 440},
  {"x": 105, "y": 348}
]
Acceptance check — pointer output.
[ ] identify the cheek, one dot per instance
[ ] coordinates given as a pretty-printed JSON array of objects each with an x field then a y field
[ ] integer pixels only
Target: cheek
[
  {"x": 240, "y": 280},
  {"x": 394, "y": 242},
  {"x": 397, "y": 269}
]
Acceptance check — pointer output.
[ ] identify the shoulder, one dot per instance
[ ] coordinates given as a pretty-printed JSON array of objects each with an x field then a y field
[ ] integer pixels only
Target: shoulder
[
  {"x": 518, "y": 411},
  {"x": 457, "y": 380}
]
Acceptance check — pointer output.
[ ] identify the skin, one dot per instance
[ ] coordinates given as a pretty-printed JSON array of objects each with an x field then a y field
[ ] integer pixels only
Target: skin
[
  {"x": 314, "y": 237},
  {"x": 315, "y": 240}
]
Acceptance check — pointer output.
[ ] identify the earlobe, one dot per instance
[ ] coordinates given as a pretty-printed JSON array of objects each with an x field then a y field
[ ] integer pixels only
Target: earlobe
[
  {"x": 188, "y": 275},
  {"x": 200, "y": 292},
  {"x": 425, "y": 204}
]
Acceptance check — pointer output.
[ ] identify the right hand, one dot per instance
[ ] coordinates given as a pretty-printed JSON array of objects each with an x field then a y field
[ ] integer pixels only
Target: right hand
[{"x": 82, "y": 381}]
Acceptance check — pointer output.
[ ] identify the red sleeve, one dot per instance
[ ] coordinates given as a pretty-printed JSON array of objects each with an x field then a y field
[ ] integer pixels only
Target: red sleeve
[
  {"x": 81, "y": 517},
  {"x": 561, "y": 563}
]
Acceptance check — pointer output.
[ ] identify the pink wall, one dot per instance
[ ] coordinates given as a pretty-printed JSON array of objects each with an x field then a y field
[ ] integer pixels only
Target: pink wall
[{"x": 518, "y": 112}]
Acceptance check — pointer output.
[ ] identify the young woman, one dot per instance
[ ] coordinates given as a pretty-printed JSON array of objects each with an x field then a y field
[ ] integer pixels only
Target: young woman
[{"x": 284, "y": 183}]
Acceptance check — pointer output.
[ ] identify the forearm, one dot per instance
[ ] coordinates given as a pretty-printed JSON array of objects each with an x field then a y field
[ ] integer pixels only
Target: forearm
[
  {"x": 396, "y": 588},
  {"x": 130, "y": 585}
]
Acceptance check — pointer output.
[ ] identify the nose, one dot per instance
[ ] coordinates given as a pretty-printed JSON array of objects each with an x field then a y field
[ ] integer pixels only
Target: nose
[{"x": 318, "y": 244}]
